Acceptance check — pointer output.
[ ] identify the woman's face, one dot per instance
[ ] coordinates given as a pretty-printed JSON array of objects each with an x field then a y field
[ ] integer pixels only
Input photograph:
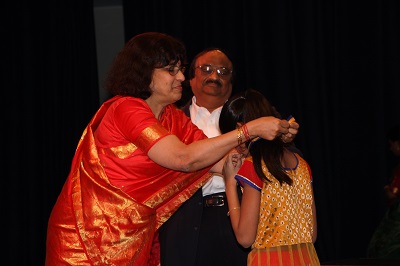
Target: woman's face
[{"x": 166, "y": 84}]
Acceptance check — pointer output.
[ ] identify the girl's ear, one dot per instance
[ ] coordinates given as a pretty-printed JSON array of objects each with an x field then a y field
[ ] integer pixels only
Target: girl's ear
[{"x": 238, "y": 124}]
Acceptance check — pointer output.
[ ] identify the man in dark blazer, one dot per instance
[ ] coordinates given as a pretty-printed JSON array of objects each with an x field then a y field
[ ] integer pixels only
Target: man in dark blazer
[{"x": 200, "y": 232}]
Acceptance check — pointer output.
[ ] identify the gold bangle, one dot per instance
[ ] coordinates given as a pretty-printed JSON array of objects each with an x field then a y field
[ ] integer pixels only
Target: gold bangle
[
  {"x": 240, "y": 135},
  {"x": 236, "y": 208}
]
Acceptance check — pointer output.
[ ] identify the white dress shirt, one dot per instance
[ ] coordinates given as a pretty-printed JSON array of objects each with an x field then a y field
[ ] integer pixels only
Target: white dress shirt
[{"x": 208, "y": 122}]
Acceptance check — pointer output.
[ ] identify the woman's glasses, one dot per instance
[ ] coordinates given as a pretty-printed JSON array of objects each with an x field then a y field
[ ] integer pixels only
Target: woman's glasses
[{"x": 173, "y": 69}]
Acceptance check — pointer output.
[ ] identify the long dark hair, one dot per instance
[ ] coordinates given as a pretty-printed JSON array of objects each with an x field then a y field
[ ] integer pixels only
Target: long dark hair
[
  {"x": 131, "y": 72},
  {"x": 244, "y": 107}
]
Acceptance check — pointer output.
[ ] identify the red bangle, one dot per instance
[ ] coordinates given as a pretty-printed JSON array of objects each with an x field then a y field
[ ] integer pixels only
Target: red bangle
[{"x": 246, "y": 132}]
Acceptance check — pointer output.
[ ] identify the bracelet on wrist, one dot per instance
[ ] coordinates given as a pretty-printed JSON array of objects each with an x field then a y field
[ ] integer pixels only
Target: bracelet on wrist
[
  {"x": 240, "y": 135},
  {"x": 229, "y": 212},
  {"x": 246, "y": 132}
]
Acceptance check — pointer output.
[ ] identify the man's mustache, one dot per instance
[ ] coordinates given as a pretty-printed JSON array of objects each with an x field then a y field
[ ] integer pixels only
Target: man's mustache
[{"x": 217, "y": 82}]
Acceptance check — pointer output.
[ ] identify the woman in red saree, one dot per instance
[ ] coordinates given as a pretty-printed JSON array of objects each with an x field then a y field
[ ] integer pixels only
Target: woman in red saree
[{"x": 137, "y": 161}]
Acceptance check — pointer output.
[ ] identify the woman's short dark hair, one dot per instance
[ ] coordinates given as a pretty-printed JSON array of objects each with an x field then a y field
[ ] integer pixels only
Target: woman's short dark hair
[{"x": 132, "y": 70}]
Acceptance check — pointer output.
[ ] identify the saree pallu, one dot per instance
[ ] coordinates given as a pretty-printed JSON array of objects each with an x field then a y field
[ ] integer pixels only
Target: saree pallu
[
  {"x": 96, "y": 223},
  {"x": 303, "y": 254}
]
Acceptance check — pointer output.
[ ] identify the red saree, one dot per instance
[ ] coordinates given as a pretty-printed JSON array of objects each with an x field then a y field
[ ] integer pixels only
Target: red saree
[{"x": 100, "y": 218}]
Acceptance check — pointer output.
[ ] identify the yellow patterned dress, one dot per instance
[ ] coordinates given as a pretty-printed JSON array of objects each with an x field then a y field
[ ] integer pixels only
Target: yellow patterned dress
[{"x": 285, "y": 228}]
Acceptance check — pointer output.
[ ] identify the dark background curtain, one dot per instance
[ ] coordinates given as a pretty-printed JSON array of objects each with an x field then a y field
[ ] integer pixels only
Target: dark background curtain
[
  {"x": 333, "y": 65},
  {"x": 51, "y": 93}
]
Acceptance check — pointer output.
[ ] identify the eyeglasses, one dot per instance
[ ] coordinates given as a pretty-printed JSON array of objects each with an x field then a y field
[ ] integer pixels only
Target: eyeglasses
[
  {"x": 173, "y": 69},
  {"x": 222, "y": 72}
]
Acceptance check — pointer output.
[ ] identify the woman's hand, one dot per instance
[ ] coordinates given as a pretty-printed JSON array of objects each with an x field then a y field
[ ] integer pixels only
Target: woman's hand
[
  {"x": 270, "y": 127},
  {"x": 292, "y": 132}
]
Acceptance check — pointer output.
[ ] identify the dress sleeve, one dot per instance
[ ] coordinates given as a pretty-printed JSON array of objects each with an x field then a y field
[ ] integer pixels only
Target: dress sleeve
[
  {"x": 248, "y": 175},
  {"x": 137, "y": 123}
]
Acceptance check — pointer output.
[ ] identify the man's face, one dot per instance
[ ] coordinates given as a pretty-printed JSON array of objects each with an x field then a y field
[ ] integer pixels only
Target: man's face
[{"x": 212, "y": 89}]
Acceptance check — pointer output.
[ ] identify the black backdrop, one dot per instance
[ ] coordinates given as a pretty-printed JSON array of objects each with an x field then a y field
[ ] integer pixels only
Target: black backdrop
[{"x": 334, "y": 65}]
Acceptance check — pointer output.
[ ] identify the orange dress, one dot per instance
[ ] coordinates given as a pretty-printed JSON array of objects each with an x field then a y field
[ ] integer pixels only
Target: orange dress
[
  {"x": 284, "y": 232},
  {"x": 115, "y": 198}
]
